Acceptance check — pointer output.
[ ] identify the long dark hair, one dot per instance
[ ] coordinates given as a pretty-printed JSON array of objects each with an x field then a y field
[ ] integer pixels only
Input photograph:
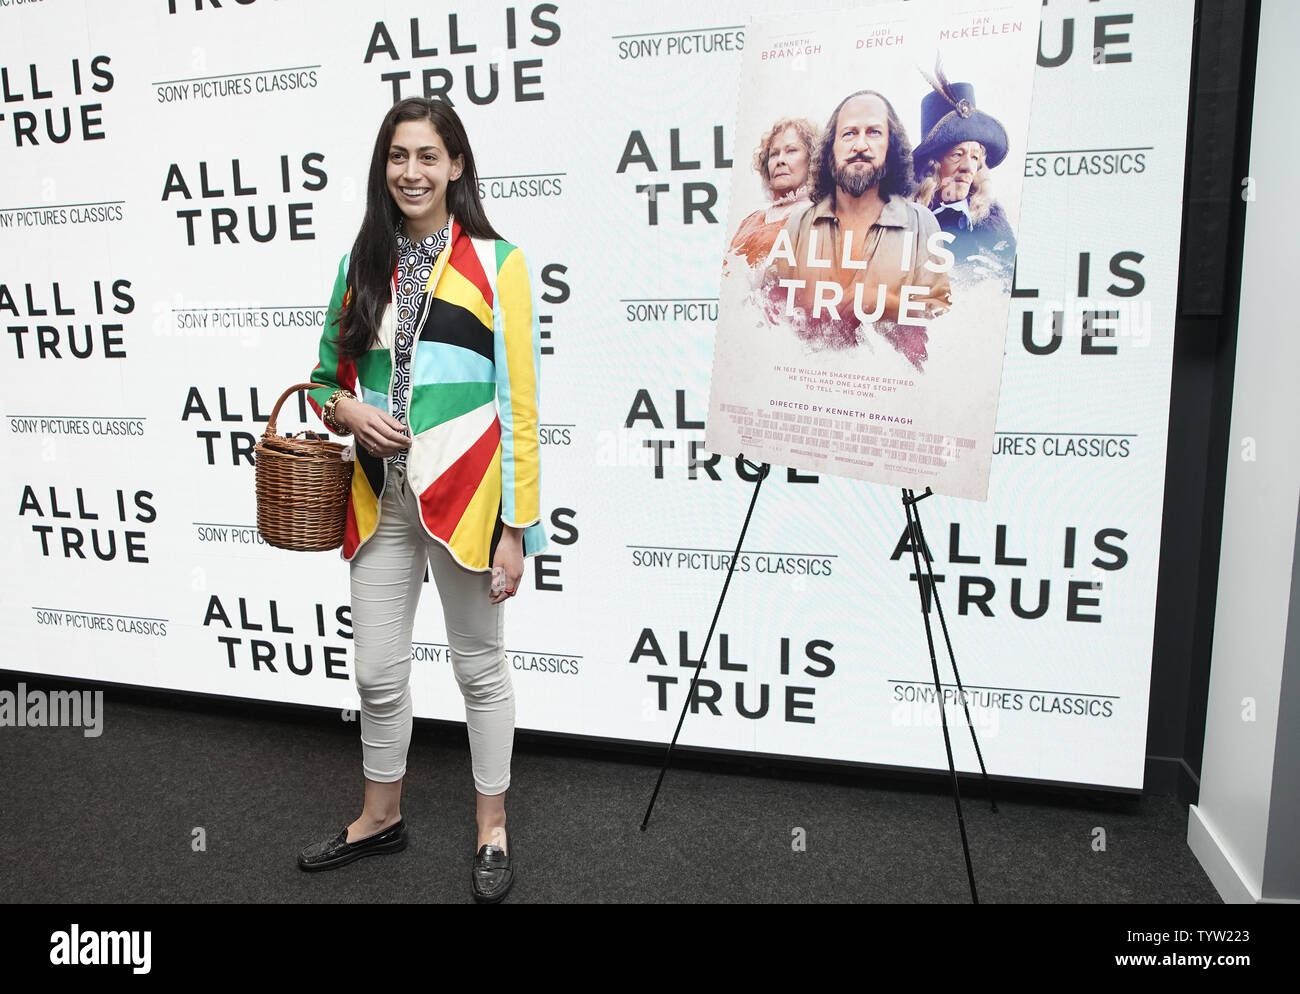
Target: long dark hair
[
  {"x": 898, "y": 156},
  {"x": 374, "y": 253}
]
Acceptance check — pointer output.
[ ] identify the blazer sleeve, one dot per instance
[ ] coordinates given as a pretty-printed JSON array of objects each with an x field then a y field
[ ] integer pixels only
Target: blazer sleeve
[
  {"x": 333, "y": 372},
  {"x": 517, "y": 356}
]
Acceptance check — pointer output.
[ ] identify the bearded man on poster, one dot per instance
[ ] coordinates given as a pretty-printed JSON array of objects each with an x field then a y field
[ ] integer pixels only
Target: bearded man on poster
[{"x": 862, "y": 255}]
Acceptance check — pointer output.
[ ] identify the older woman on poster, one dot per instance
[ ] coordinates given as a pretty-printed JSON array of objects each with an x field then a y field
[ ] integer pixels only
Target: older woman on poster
[{"x": 784, "y": 160}]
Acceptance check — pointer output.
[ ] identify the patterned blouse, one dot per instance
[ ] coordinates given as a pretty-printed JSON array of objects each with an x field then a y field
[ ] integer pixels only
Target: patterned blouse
[{"x": 415, "y": 264}]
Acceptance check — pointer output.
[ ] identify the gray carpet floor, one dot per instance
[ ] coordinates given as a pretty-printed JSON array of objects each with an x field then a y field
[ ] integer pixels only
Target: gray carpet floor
[{"x": 113, "y": 820}]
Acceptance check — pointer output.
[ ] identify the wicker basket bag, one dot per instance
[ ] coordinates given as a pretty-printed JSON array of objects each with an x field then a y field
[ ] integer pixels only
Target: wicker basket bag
[{"x": 303, "y": 483}]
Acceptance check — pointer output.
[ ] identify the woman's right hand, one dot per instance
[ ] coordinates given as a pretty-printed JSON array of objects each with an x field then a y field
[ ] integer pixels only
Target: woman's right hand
[{"x": 378, "y": 433}]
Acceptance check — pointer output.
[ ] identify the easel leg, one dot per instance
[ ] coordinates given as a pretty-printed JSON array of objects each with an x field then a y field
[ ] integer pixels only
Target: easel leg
[
  {"x": 947, "y": 641},
  {"x": 915, "y": 540},
  {"x": 690, "y": 694}
]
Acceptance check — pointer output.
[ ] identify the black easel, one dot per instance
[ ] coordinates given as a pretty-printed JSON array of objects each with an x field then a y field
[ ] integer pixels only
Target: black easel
[
  {"x": 762, "y": 471},
  {"x": 928, "y": 591}
]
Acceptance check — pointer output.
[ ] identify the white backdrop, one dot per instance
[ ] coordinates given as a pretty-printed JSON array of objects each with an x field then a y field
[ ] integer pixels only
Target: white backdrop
[{"x": 144, "y": 346}]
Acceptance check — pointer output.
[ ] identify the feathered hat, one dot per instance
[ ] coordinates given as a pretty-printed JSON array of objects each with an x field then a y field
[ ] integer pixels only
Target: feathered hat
[{"x": 949, "y": 117}]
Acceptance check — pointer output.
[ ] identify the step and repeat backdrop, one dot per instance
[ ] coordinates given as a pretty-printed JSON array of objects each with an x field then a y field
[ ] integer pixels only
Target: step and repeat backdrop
[{"x": 182, "y": 178}]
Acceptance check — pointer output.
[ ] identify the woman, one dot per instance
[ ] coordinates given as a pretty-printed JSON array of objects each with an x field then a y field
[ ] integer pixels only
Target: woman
[
  {"x": 430, "y": 360},
  {"x": 783, "y": 159}
]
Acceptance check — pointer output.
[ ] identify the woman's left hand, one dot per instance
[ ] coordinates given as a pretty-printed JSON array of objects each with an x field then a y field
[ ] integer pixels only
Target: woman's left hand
[{"x": 510, "y": 557}]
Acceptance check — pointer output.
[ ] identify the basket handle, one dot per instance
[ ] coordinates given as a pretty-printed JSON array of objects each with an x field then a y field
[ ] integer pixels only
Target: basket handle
[{"x": 270, "y": 424}]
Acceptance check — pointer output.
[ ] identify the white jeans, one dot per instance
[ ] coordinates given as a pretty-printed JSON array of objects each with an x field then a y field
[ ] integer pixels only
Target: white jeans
[{"x": 387, "y": 573}]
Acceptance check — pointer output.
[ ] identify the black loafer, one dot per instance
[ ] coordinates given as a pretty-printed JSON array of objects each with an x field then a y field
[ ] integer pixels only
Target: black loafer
[
  {"x": 492, "y": 875},
  {"x": 339, "y": 852}
]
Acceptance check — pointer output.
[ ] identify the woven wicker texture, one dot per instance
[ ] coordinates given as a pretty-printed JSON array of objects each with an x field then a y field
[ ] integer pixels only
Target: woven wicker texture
[{"x": 302, "y": 487}]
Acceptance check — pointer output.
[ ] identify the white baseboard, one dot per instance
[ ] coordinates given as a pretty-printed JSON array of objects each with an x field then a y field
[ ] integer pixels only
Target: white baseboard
[{"x": 1232, "y": 885}]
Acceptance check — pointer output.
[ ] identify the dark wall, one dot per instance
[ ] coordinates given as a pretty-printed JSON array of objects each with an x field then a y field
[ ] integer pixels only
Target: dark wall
[{"x": 1200, "y": 405}]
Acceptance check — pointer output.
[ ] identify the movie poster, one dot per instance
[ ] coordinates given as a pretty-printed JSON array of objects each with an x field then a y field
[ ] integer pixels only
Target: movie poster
[{"x": 872, "y": 240}]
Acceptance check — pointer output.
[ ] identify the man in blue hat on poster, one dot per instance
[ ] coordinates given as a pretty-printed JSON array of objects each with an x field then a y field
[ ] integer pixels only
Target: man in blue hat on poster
[{"x": 952, "y": 166}]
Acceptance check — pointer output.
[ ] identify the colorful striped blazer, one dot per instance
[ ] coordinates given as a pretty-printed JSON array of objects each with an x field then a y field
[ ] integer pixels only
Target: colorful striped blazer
[{"x": 474, "y": 460}]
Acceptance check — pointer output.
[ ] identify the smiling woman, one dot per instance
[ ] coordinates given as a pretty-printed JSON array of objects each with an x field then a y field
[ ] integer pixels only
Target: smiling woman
[
  {"x": 430, "y": 359},
  {"x": 419, "y": 172}
]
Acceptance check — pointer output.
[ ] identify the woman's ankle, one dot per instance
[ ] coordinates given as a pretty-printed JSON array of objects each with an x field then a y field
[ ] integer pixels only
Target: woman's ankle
[
  {"x": 493, "y": 835},
  {"x": 368, "y": 824}
]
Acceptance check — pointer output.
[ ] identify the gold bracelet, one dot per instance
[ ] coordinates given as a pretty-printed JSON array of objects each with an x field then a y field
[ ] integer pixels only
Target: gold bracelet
[{"x": 327, "y": 412}]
